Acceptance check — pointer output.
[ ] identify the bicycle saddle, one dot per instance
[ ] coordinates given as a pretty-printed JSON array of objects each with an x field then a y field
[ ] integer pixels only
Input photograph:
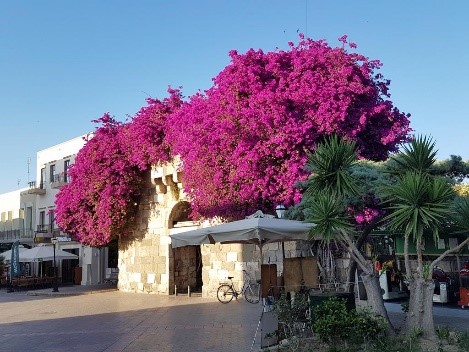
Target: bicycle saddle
[{"x": 230, "y": 277}]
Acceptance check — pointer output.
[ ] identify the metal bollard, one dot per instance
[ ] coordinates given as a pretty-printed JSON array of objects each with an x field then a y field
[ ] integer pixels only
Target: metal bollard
[
  {"x": 175, "y": 290},
  {"x": 188, "y": 291}
]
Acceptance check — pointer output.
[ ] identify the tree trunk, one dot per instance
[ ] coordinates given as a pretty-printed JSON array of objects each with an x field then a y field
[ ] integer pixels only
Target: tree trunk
[
  {"x": 353, "y": 264},
  {"x": 421, "y": 287},
  {"x": 420, "y": 315},
  {"x": 352, "y": 268},
  {"x": 375, "y": 299},
  {"x": 370, "y": 281}
]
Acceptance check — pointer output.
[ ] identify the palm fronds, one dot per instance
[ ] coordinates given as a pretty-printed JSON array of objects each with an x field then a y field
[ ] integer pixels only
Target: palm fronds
[
  {"x": 330, "y": 165},
  {"x": 461, "y": 215},
  {"x": 419, "y": 202},
  {"x": 328, "y": 213},
  {"x": 418, "y": 156}
]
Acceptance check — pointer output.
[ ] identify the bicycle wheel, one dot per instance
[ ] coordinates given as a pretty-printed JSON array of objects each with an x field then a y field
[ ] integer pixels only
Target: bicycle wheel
[
  {"x": 225, "y": 293},
  {"x": 252, "y": 293}
]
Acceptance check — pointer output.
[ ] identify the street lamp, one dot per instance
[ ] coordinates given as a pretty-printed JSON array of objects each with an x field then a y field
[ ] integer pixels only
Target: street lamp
[
  {"x": 55, "y": 288},
  {"x": 280, "y": 210}
]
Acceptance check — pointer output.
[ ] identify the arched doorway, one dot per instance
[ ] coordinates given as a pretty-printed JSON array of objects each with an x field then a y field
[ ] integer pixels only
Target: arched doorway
[{"x": 187, "y": 264}]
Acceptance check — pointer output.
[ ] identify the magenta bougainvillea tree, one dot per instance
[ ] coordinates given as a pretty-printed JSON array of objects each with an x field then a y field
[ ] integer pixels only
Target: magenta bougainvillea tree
[
  {"x": 95, "y": 202},
  {"x": 107, "y": 176},
  {"x": 145, "y": 141},
  {"x": 244, "y": 141}
]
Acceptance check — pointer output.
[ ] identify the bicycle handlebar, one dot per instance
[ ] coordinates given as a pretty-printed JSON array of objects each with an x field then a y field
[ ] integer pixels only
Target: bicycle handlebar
[{"x": 247, "y": 274}]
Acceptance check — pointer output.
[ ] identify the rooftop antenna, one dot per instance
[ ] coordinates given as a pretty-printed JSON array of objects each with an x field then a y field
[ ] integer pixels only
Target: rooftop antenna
[{"x": 29, "y": 163}]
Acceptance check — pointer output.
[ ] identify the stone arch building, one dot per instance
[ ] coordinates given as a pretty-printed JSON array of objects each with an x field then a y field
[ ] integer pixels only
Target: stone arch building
[{"x": 148, "y": 263}]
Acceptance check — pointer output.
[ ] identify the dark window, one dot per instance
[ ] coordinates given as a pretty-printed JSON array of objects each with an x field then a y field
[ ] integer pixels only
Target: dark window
[
  {"x": 42, "y": 217},
  {"x": 66, "y": 165},
  {"x": 52, "y": 172},
  {"x": 51, "y": 219},
  {"x": 43, "y": 178}
]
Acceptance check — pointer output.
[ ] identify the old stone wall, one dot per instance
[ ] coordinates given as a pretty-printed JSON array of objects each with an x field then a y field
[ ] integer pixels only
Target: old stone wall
[
  {"x": 223, "y": 260},
  {"x": 145, "y": 255},
  {"x": 148, "y": 264}
]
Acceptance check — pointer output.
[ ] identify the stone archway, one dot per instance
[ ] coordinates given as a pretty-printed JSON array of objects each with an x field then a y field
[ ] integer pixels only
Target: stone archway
[
  {"x": 187, "y": 261},
  {"x": 180, "y": 214}
]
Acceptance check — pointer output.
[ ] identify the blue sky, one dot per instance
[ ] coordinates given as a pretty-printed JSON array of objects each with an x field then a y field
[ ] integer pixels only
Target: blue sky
[{"x": 64, "y": 63}]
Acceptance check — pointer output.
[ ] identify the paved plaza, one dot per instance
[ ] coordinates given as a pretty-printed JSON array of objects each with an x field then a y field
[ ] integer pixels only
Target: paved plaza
[
  {"x": 106, "y": 320},
  {"x": 116, "y": 321}
]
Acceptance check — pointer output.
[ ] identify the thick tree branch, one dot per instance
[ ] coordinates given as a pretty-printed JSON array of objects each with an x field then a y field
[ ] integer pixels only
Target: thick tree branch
[{"x": 449, "y": 251}]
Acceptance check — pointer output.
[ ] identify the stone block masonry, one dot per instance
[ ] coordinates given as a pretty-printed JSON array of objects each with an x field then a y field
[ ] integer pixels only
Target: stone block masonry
[{"x": 148, "y": 263}]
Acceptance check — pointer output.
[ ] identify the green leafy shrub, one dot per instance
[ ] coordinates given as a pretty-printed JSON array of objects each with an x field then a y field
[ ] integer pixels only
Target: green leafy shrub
[
  {"x": 463, "y": 341},
  {"x": 334, "y": 322},
  {"x": 443, "y": 333},
  {"x": 331, "y": 320},
  {"x": 451, "y": 337},
  {"x": 365, "y": 326}
]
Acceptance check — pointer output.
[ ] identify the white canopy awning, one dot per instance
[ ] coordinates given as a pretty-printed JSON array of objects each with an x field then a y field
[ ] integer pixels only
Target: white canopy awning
[
  {"x": 255, "y": 230},
  {"x": 45, "y": 253},
  {"x": 7, "y": 254}
]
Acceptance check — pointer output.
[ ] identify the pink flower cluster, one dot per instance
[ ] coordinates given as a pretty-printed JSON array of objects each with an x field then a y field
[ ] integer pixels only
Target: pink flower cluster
[
  {"x": 243, "y": 143},
  {"x": 107, "y": 176},
  {"x": 365, "y": 210},
  {"x": 367, "y": 215}
]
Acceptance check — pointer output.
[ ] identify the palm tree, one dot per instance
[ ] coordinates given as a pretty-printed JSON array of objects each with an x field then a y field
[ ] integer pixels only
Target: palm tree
[
  {"x": 330, "y": 184},
  {"x": 419, "y": 204}
]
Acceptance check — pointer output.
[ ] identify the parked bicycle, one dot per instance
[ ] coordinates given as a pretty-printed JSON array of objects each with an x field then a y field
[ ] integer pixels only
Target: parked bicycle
[{"x": 250, "y": 290}]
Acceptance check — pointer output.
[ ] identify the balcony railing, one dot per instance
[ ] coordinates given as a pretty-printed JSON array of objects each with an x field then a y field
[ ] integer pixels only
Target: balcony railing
[
  {"x": 59, "y": 180},
  {"x": 43, "y": 235},
  {"x": 44, "y": 228},
  {"x": 45, "y": 232},
  {"x": 13, "y": 235},
  {"x": 46, "y": 237},
  {"x": 36, "y": 188},
  {"x": 47, "y": 228}
]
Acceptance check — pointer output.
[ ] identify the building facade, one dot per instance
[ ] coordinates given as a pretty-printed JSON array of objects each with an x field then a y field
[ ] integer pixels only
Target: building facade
[
  {"x": 148, "y": 263},
  {"x": 15, "y": 223},
  {"x": 28, "y": 215}
]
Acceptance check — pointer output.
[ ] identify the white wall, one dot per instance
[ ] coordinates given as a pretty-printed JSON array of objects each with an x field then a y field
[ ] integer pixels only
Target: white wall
[
  {"x": 55, "y": 155},
  {"x": 90, "y": 259},
  {"x": 11, "y": 202},
  {"x": 10, "y": 216}
]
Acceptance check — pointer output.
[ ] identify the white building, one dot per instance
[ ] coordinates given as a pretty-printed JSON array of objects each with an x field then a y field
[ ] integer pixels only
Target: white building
[
  {"x": 14, "y": 223},
  {"x": 28, "y": 215}
]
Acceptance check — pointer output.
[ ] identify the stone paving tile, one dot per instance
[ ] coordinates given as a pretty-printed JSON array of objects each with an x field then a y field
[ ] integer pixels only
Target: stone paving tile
[
  {"x": 112, "y": 321},
  {"x": 123, "y": 322}
]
